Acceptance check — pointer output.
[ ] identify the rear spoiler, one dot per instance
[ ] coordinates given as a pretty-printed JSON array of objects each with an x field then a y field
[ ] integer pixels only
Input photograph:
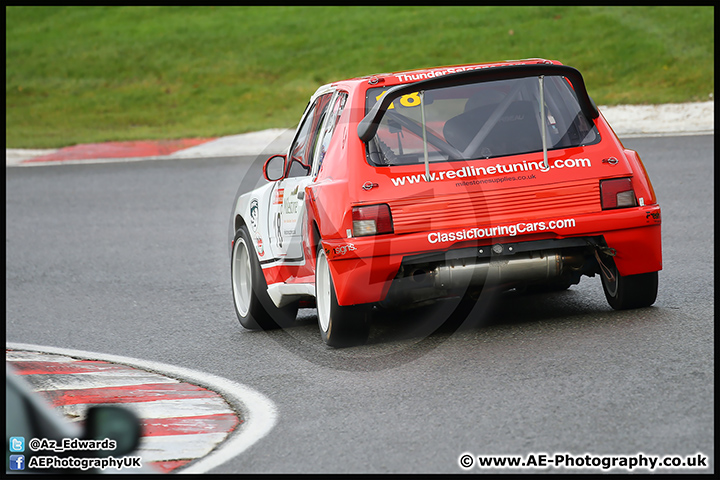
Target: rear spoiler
[{"x": 368, "y": 126}]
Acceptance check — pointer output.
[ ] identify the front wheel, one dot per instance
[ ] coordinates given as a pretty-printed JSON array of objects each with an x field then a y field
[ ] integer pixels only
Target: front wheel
[
  {"x": 629, "y": 291},
  {"x": 340, "y": 326},
  {"x": 254, "y": 308}
]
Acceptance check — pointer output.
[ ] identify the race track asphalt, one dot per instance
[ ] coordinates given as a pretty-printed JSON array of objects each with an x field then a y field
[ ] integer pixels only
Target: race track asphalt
[{"x": 177, "y": 412}]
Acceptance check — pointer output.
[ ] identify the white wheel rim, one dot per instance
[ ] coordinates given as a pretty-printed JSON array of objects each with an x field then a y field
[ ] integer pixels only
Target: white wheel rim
[
  {"x": 322, "y": 291},
  {"x": 241, "y": 277}
]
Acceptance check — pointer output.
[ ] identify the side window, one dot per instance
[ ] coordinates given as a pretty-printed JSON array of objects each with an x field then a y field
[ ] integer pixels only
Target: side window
[
  {"x": 302, "y": 148},
  {"x": 327, "y": 133}
]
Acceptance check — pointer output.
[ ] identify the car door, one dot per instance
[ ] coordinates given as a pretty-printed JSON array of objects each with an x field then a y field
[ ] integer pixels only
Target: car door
[{"x": 287, "y": 210}]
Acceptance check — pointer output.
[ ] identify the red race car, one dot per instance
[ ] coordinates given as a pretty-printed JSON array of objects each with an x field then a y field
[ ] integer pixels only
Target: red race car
[{"x": 404, "y": 188}]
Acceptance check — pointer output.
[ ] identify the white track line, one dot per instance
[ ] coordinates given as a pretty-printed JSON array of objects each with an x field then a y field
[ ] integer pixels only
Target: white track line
[
  {"x": 158, "y": 409},
  {"x": 90, "y": 380},
  {"x": 259, "y": 413}
]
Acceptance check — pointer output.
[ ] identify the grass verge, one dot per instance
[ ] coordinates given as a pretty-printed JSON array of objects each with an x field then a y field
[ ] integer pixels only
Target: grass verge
[{"x": 93, "y": 74}]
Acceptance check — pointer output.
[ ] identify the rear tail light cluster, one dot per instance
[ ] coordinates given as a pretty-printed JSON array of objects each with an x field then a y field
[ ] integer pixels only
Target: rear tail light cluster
[
  {"x": 617, "y": 193},
  {"x": 371, "y": 220}
]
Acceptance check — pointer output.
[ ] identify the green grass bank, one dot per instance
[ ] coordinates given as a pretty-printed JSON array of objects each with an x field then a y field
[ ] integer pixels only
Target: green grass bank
[{"x": 92, "y": 74}]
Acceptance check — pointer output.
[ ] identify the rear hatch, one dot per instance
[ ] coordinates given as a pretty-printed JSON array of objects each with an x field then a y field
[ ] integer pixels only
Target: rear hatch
[
  {"x": 463, "y": 195},
  {"x": 474, "y": 153}
]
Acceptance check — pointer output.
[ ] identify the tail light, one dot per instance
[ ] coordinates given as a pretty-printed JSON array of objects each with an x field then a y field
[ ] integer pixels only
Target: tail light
[
  {"x": 371, "y": 220},
  {"x": 617, "y": 193}
]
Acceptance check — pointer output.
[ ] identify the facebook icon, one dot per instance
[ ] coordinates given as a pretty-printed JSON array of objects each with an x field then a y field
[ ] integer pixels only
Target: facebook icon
[{"x": 17, "y": 462}]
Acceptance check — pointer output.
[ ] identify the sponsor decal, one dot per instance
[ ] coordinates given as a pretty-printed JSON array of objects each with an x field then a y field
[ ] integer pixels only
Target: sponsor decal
[
  {"x": 340, "y": 250},
  {"x": 477, "y": 233},
  {"x": 279, "y": 193},
  {"x": 653, "y": 217},
  {"x": 343, "y": 249},
  {"x": 424, "y": 75},
  {"x": 254, "y": 213},
  {"x": 291, "y": 203},
  {"x": 473, "y": 172},
  {"x": 278, "y": 229},
  {"x": 470, "y": 183}
]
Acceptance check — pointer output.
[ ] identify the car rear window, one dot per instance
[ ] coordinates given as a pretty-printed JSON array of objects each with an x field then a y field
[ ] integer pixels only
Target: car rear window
[{"x": 478, "y": 121}]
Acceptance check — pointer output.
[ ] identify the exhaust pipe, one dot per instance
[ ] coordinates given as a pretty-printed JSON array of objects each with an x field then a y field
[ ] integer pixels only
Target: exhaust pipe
[
  {"x": 427, "y": 282},
  {"x": 533, "y": 266}
]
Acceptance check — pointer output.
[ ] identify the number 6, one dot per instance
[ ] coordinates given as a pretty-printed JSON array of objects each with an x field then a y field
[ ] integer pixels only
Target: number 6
[{"x": 410, "y": 100}]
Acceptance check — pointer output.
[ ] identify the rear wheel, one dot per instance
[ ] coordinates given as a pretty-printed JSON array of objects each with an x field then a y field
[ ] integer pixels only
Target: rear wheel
[
  {"x": 253, "y": 306},
  {"x": 340, "y": 326},
  {"x": 629, "y": 291}
]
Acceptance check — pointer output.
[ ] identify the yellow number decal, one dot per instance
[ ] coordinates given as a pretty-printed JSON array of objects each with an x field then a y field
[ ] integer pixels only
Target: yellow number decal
[
  {"x": 377, "y": 99},
  {"x": 411, "y": 100}
]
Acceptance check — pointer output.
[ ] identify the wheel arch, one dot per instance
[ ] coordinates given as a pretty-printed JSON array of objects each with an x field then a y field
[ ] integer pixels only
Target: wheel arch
[
  {"x": 313, "y": 230},
  {"x": 239, "y": 222},
  {"x": 315, "y": 237}
]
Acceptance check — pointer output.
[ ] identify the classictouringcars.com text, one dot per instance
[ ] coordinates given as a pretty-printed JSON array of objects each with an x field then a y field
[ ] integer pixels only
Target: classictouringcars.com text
[{"x": 502, "y": 231}]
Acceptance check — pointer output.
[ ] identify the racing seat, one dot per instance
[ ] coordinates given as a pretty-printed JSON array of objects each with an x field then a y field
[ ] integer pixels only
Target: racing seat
[{"x": 516, "y": 131}]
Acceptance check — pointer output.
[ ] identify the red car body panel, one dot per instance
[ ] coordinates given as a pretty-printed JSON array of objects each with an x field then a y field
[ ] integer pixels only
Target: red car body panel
[{"x": 477, "y": 203}]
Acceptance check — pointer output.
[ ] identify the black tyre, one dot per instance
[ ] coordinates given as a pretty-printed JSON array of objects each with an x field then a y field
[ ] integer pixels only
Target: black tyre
[
  {"x": 340, "y": 326},
  {"x": 629, "y": 291},
  {"x": 253, "y": 306}
]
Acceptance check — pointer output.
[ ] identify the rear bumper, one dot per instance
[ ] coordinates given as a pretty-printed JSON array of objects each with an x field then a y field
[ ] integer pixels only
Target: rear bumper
[{"x": 364, "y": 269}]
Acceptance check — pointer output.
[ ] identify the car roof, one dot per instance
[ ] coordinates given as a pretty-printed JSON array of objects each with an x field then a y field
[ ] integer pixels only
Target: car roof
[{"x": 397, "y": 78}]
